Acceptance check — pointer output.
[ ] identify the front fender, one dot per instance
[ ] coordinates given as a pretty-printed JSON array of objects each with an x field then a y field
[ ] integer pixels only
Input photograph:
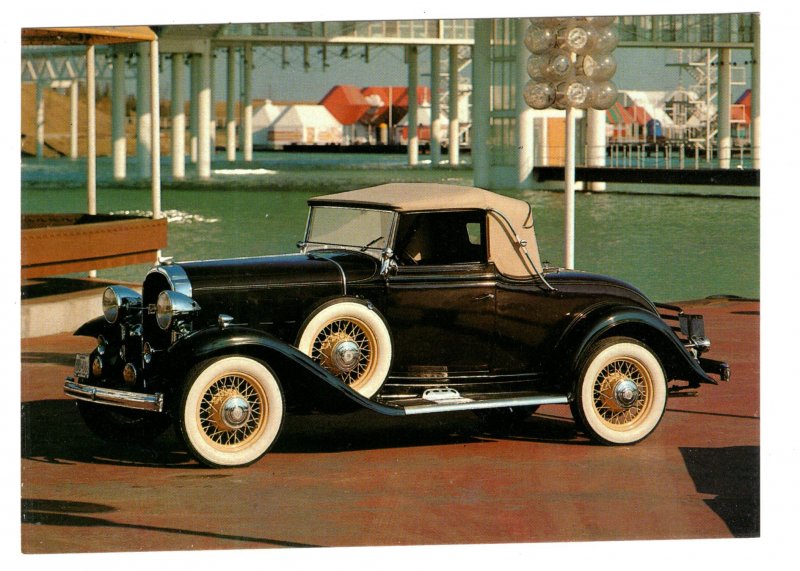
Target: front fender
[
  {"x": 308, "y": 387},
  {"x": 93, "y": 327},
  {"x": 637, "y": 323}
]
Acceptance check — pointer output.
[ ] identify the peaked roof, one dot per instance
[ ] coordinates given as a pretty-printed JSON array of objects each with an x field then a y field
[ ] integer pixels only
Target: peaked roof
[{"x": 346, "y": 102}]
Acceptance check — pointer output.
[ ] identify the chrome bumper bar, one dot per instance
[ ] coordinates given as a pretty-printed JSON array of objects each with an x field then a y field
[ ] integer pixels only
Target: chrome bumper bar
[{"x": 114, "y": 397}]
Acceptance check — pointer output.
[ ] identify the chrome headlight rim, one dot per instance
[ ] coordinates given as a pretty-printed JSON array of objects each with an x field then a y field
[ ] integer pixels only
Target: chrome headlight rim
[
  {"x": 117, "y": 300},
  {"x": 172, "y": 305}
]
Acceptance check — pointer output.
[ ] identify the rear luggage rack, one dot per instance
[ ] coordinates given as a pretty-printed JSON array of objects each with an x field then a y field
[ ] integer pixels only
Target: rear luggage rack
[{"x": 689, "y": 327}]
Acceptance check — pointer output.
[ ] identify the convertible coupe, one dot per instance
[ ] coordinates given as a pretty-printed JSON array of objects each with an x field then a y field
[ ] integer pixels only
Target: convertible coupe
[{"x": 404, "y": 299}]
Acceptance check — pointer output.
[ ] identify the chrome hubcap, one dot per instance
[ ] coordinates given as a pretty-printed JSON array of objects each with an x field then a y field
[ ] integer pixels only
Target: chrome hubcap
[
  {"x": 345, "y": 355},
  {"x": 235, "y": 412},
  {"x": 626, "y": 393}
]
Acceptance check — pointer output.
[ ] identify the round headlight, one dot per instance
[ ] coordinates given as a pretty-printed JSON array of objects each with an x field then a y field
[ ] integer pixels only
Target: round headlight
[
  {"x": 117, "y": 299},
  {"x": 164, "y": 310},
  {"x": 171, "y": 304},
  {"x": 110, "y": 305}
]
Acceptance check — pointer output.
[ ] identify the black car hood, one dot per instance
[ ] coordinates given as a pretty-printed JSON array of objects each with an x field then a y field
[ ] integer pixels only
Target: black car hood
[{"x": 284, "y": 271}]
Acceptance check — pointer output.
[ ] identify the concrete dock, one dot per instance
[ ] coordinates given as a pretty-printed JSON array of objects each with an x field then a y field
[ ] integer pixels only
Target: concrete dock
[{"x": 365, "y": 480}]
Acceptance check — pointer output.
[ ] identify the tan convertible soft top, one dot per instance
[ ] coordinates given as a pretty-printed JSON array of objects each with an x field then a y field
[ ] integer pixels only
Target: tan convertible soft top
[{"x": 504, "y": 249}]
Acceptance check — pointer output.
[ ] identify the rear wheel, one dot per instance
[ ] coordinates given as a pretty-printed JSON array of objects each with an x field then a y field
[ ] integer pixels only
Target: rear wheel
[
  {"x": 621, "y": 393},
  {"x": 231, "y": 411}
]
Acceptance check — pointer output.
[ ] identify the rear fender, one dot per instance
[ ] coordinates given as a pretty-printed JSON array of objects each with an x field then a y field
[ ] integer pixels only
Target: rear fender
[
  {"x": 636, "y": 323},
  {"x": 308, "y": 387}
]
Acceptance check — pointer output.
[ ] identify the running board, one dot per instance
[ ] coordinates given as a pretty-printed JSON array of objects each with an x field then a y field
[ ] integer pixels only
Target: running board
[{"x": 449, "y": 400}]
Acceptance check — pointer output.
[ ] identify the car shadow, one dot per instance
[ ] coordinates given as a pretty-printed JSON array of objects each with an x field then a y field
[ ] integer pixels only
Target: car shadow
[
  {"x": 85, "y": 514},
  {"x": 732, "y": 476},
  {"x": 53, "y": 432}
]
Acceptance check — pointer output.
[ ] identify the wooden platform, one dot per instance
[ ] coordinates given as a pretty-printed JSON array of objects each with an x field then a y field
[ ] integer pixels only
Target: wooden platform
[{"x": 57, "y": 244}]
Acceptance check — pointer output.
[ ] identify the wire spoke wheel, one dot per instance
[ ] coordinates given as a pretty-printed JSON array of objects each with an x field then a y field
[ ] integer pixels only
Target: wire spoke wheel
[
  {"x": 346, "y": 348},
  {"x": 615, "y": 378},
  {"x": 350, "y": 340},
  {"x": 621, "y": 393},
  {"x": 231, "y": 411}
]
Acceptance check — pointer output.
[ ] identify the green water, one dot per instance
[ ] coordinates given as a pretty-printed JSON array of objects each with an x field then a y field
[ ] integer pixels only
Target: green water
[{"x": 672, "y": 246}]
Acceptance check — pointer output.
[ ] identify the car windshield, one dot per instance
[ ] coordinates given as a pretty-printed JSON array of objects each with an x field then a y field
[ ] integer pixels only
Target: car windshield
[{"x": 360, "y": 228}]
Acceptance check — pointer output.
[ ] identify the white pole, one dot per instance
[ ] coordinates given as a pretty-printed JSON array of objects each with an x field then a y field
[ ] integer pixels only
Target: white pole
[
  {"x": 39, "y": 120},
  {"x": 709, "y": 152},
  {"x": 144, "y": 123},
  {"x": 155, "y": 135},
  {"x": 724, "y": 96},
  {"x": 436, "y": 107},
  {"x": 119, "y": 143},
  {"x": 204, "y": 117},
  {"x": 525, "y": 137},
  {"x": 73, "y": 119},
  {"x": 569, "y": 191},
  {"x": 178, "y": 118},
  {"x": 247, "y": 121},
  {"x": 91, "y": 130},
  {"x": 230, "y": 107},
  {"x": 755, "y": 94},
  {"x": 481, "y": 102},
  {"x": 413, "y": 137},
  {"x": 454, "y": 127},
  {"x": 596, "y": 135},
  {"x": 194, "y": 91}
]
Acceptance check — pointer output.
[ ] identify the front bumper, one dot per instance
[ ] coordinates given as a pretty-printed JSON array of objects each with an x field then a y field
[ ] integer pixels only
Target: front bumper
[{"x": 113, "y": 397}]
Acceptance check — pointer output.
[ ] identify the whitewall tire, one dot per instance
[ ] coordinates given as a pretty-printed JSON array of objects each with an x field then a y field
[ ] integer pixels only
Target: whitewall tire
[
  {"x": 231, "y": 411},
  {"x": 350, "y": 340},
  {"x": 621, "y": 393}
]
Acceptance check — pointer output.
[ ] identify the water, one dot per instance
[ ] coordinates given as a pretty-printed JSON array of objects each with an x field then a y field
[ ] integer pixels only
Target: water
[{"x": 686, "y": 245}]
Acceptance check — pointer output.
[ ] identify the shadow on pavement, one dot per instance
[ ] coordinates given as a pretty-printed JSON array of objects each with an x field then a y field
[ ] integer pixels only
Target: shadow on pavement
[
  {"x": 53, "y": 432},
  {"x": 84, "y": 514},
  {"x": 732, "y": 475}
]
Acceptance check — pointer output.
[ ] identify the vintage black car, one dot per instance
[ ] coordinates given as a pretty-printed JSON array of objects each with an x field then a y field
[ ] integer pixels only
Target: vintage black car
[{"x": 404, "y": 299}]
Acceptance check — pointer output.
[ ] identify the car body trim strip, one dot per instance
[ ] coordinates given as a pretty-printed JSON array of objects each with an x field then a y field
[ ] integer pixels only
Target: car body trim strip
[{"x": 444, "y": 406}]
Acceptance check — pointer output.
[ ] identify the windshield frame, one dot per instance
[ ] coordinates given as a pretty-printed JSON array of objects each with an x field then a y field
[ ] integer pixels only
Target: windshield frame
[{"x": 377, "y": 251}]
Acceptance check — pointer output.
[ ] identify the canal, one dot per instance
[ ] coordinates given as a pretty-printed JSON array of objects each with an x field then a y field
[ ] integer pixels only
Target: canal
[{"x": 675, "y": 243}]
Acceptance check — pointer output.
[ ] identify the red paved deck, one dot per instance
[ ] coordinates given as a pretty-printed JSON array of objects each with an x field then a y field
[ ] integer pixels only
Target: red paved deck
[{"x": 365, "y": 480}]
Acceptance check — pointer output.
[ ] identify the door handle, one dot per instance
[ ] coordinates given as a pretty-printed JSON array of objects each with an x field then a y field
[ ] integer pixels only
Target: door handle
[{"x": 485, "y": 297}]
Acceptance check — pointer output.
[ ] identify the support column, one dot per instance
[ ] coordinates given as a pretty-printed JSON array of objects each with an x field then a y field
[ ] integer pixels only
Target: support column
[
  {"x": 724, "y": 115},
  {"x": 524, "y": 112},
  {"x": 481, "y": 82},
  {"x": 247, "y": 95},
  {"x": 230, "y": 106},
  {"x": 39, "y": 119},
  {"x": 413, "y": 104},
  {"x": 194, "y": 82},
  {"x": 178, "y": 118},
  {"x": 91, "y": 134},
  {"x": 212, "y": 127},
  {"x": 155, "y": 135},
  {"x": 453, "y": 125},
  {"x": 143, "y": 117},
  {"x": 569, "y": 191},
  {"x": 119, "y": 144},
  {"x": 596, "y": 144},
  {"x": 73, "y": 119},
  {"x": 436, "y": 106},
  {"x": 204, "y": 116},
  {"x": 755, "y": 95}
]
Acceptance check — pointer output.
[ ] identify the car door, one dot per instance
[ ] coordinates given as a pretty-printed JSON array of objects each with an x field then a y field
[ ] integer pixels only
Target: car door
[{"x": 441, "y": 298}]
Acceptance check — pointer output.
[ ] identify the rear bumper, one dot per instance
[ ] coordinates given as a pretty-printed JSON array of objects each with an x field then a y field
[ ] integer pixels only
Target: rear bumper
[
  {"x": 716, "y": 367},
  {"x": 113, "y": 397}
]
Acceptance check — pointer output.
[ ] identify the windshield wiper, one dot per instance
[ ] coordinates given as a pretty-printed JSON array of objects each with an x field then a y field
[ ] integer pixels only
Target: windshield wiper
[{"x": 364, "y": 249}]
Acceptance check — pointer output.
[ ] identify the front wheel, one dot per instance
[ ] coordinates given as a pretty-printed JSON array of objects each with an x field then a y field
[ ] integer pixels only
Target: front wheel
[
  {"x": 621, "y": 393},
  {"x": 231, "y": 411}
]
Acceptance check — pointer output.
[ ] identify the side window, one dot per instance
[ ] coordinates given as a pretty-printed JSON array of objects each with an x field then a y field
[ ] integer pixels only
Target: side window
[{"x": 441, "y": 238}]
